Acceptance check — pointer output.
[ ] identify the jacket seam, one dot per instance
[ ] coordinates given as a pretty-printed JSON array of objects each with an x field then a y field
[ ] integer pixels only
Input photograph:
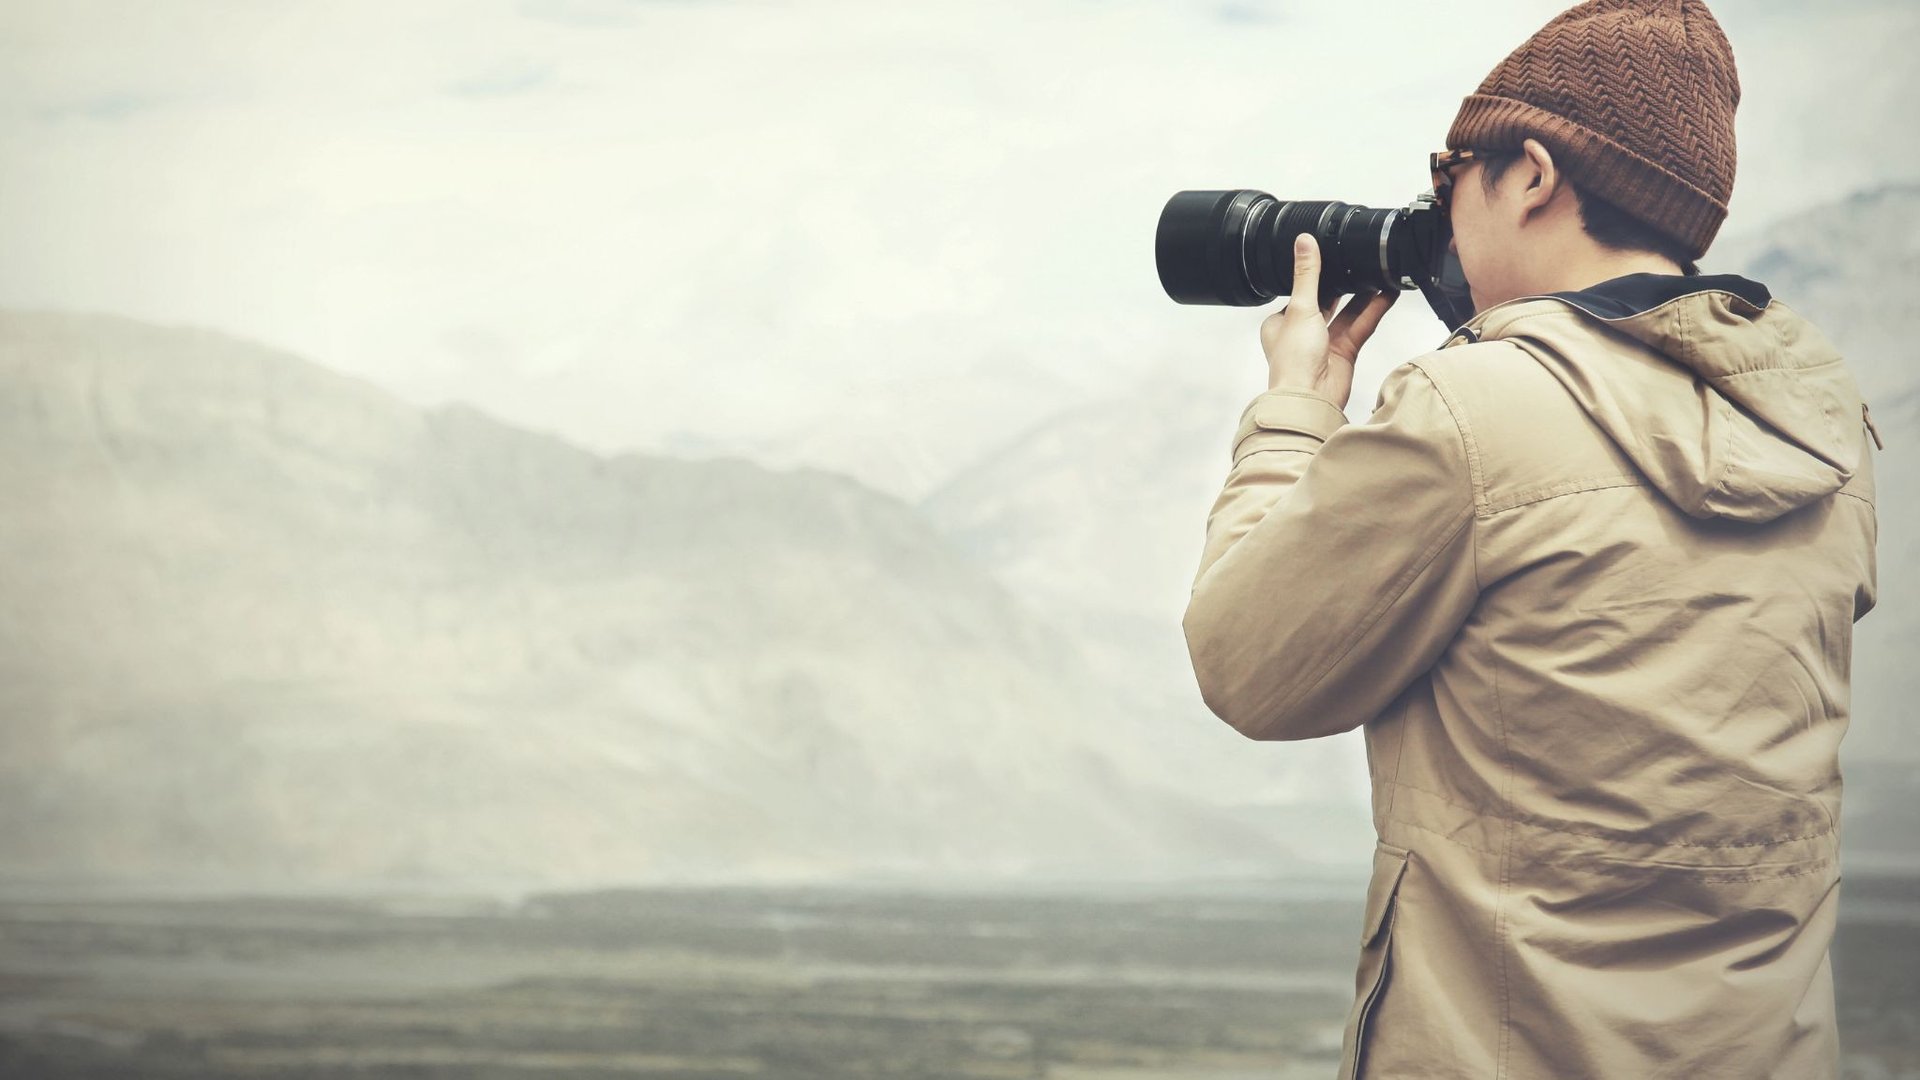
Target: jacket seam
[
  {"x": 1684, "y": 325},
  {"x": 1275, "y": 450},
  {"x": 1454, "y": 840},
  {"x": 1706, "y": 872},
  {"x": 1501, "y": 930},
  {"x": 1734, "y": 874},
  {"x": 1476, "y": 481},
  {"x": 1581, "y": 487},
  {"x": 1744, "y": 372},
  {"x": 1534, "y": 824},
  {"x": 1400, "y": 755},
  {"x": 1821, "y": 867},
  {"x": 1566, "y": 487},
  {"x": 1475, "y": 486}
]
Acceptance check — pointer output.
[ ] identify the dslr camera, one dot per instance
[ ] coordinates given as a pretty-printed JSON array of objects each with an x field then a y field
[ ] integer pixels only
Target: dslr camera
[{"x": 1236, "y": 247}]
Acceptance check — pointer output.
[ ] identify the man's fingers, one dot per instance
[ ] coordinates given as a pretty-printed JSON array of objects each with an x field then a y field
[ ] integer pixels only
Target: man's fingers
[
  {"x": 1306, "y": 275},
  {"x": 1359, "y": 319},
  {"x": 1355, "y": 304}
]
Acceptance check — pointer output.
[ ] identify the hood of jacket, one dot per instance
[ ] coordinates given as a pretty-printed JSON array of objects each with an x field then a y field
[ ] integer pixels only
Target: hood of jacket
[{"x": 1732, "y": 404}]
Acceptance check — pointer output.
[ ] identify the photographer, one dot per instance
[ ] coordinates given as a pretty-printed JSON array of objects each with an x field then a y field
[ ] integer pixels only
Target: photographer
[{"x": 1587, "y": 579}]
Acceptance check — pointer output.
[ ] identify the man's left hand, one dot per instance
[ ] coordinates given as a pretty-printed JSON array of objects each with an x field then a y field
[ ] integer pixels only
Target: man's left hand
[{"x": 1308, "y": 346}]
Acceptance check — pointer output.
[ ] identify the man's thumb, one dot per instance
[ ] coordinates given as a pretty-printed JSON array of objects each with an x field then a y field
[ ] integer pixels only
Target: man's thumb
[{"x": 1306, "y": 271}]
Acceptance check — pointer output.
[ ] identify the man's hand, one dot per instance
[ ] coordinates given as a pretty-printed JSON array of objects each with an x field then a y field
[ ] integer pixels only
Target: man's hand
[{"x": 1308, "y": 346}]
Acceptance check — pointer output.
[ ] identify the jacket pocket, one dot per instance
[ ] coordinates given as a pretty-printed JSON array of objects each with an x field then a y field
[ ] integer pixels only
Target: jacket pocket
[{"x": 1376, "y": 935}]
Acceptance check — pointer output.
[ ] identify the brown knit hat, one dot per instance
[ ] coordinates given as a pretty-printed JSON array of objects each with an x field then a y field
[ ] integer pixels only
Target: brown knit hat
[{"x": 1634, "y": 99}]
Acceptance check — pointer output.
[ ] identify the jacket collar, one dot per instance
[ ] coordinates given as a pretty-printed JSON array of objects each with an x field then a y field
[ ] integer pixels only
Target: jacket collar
[
  {"x": 1630, "y": 295},
  {"x": 1729, "y": 402}
]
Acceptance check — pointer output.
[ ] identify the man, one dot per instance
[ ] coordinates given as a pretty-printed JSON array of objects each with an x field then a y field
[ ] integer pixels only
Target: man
[{"x": 1587, "y": 578}]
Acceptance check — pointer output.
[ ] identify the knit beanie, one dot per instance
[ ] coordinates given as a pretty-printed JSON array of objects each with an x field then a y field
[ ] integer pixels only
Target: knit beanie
[{"x": 1634, "y": 99}]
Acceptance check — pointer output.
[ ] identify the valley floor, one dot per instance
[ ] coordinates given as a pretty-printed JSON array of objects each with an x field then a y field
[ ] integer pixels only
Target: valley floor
[{"x": 796, "y": 984}]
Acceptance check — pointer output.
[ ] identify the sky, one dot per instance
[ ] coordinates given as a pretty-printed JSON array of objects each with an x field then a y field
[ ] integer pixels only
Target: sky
[{"x": 872, "y": 236}]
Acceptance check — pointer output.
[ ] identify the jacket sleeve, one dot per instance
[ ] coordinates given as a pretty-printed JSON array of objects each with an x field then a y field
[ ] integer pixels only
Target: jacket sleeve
[{"x": 1339, "y": 560}]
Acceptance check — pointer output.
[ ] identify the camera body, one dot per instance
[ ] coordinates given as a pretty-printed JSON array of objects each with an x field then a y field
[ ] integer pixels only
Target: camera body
[{"x": 1236, "y": 247}]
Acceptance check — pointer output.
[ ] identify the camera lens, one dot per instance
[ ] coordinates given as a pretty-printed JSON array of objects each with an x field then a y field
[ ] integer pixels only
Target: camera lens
[
  {"x": 1236, "y": 247},
  {"x": 1200, "y": 247}
]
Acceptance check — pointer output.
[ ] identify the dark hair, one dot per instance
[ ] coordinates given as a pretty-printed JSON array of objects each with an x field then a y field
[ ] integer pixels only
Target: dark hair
[{"x": 1606, "y": 222}]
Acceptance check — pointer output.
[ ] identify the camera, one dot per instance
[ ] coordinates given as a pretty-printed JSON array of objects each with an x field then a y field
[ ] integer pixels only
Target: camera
[{"x": 1236, "y": 247}]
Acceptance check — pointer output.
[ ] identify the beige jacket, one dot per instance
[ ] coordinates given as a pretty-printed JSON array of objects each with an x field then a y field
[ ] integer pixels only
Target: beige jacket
[{"x": 1587, "y": 578}]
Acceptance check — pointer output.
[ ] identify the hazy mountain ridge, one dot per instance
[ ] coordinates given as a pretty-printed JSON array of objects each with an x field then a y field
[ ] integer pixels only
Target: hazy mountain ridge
[
  {"x": 268, "y": 624},
  {"x": 1096, "y": 519}
]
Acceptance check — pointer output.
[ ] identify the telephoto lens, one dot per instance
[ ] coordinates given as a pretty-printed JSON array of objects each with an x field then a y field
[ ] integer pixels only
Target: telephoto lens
[{"x": 1236, "y": 247}]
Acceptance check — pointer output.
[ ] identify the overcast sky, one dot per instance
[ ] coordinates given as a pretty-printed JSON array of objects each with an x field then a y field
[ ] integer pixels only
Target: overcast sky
[{"x": 821, "y": 231}]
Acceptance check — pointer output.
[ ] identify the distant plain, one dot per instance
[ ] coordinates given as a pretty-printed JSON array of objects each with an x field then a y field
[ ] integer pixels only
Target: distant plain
[{"x": 794, "y": 984}]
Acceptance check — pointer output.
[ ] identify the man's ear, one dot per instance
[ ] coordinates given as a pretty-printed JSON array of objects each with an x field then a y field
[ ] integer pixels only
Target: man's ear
[{"x": 1543, "y": 177}]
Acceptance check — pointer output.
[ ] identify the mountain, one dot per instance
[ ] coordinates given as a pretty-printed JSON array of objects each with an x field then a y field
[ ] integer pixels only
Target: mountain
[
  {"x": 267, "y": 626},
  {"x": 1096, "y": 515},
  {"x": 1095, "y": 520},
  {"x": 885, "y": 435}
]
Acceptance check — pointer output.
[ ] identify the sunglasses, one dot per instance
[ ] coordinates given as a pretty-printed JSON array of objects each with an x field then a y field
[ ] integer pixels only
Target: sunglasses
[{"x": 1441, "y": 165}]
